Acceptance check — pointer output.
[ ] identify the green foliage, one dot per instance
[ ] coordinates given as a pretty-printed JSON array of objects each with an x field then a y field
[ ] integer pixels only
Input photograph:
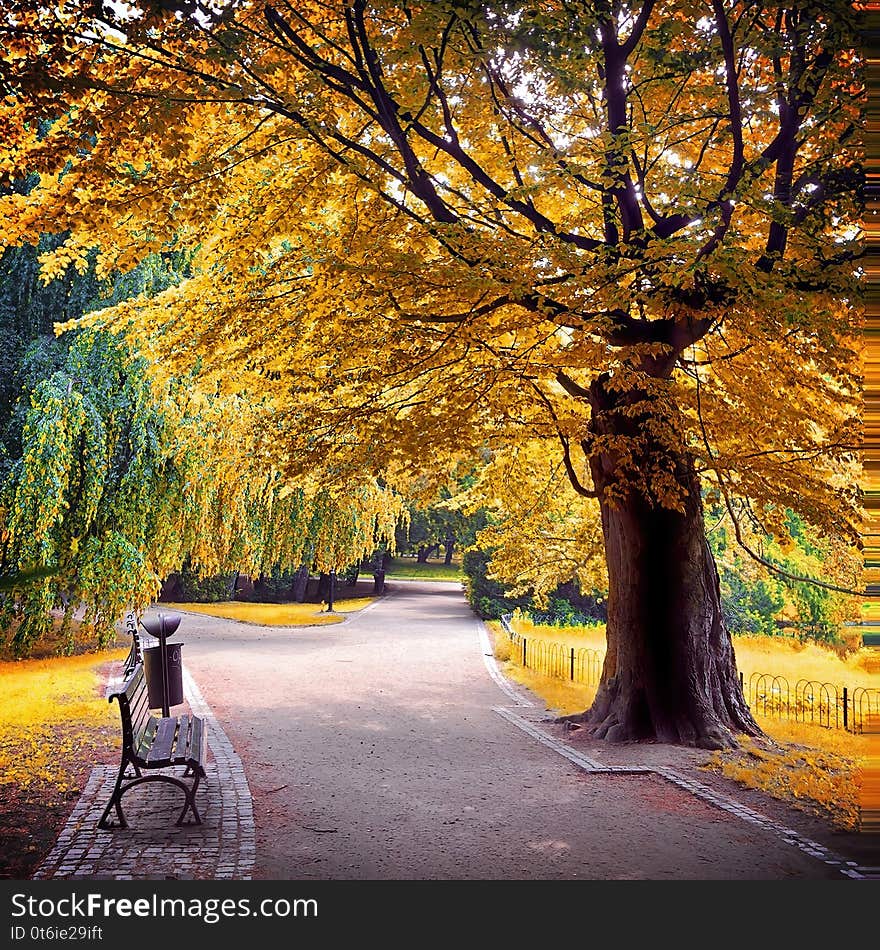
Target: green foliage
[
  {"x": 566, "y": 606},
  {"x": 63, "y": 429},
  {"x": 350, "y": 575},
  {"x": 29, "y": 307},
  {"x": 83, "y": 496},
  {"x": 274, "y": 587},
  {"x": 110, "y": 478},
  {"x": 194, "y": 589},
  {"x": 578, "y": 612},
  {"x": 439, "y": 525},
  {"x": 28, "y": 310},
  {"x": 750, "y": 606},
  {"x": 80, "y": 446},
  {"x": 756, "y": 600},
  {"x": 487, "y": 598},
  {"x": 433, "y": 570}
]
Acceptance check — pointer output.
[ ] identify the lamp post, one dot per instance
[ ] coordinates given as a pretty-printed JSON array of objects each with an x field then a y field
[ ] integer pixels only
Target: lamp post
[{"x": 331, "y": 590}]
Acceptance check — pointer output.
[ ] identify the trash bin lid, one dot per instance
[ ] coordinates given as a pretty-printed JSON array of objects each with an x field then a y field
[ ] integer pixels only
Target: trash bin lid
[{"x": 161, "y": 623}]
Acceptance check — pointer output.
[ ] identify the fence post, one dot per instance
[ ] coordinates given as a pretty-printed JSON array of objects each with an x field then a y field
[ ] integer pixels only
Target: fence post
[
  {"x": 572, "y": 663},
  {"x": 845, "y": 708},
  {"x": 524, "y": 651}
]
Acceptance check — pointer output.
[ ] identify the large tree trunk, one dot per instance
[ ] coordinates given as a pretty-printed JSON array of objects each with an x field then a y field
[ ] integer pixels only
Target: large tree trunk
[{"x": 670, "y": 673}]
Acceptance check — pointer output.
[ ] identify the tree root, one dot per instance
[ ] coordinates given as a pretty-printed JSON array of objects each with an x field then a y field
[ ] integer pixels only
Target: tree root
[{"x": 609, "y": 728}]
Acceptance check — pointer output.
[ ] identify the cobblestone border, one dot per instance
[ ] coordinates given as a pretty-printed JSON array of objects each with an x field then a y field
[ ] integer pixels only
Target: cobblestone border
[
  {"x": 153, "y": 847},
  {"x": 808, "y": 846}
]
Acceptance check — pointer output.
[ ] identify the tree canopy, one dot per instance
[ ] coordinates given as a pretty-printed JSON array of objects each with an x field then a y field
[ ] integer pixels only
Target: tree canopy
[
  {"x": 117, "y": 485},
  {"x": 501, "y": 200}
]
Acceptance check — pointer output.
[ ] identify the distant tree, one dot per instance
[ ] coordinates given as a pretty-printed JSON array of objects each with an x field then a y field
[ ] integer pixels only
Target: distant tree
[{"x": 439, "y": 524}]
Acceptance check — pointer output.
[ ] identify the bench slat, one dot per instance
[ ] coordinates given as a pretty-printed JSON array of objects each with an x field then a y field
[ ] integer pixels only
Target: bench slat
[
  {"x": 139, "y": 724},
  {"x": 139, "y": 711},
  {"x": 196, "y": 750},
  {"x": 138, "y": 702},
  {"x": 164, "y": 739},
  {"x": 181, "y": 742},
  {"x": 131, "y": 686},
  {"x": 142, "y": 743}
]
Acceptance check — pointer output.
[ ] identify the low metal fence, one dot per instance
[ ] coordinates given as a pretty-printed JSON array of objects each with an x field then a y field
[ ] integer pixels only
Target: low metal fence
[
  {"x": 580, "y": 665},
  {"x": 822, "y": 704}
]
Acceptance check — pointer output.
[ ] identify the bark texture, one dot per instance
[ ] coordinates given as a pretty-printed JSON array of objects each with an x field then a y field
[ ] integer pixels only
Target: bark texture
[{"x": 670, "y": 673}]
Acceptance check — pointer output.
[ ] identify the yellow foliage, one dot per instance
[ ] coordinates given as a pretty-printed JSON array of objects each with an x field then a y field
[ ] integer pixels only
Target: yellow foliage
[
  {"x": 44, "y": 706},
  {"x": 812, "y": 768},
  {"x": 472, "y": 255},
  {"x": 541, "y": 533}
]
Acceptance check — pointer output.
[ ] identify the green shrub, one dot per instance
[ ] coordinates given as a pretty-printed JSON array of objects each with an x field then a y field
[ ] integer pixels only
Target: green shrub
[
  {"x": 487, "y": 598},
  {"x": 567, "y": 606},
  {"x": 187, "y": 587},
  {"x": 750, "y": 606}
]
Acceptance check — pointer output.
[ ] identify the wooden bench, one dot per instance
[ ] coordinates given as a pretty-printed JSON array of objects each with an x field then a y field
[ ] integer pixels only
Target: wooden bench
[{"x": 151, "y": 742}]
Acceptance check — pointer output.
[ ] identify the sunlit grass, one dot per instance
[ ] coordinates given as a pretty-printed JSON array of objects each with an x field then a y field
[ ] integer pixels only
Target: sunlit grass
[
  {"x": 410, "y": 569},
  {"x": 783, "y": 656},
  {"x": 591, "y": 637},
  {"x": 277, "y": 615},
  {"x": 814, "y": 768},
  {"x": 47, "y": 707},
  {"x": 561, "y": 696}
]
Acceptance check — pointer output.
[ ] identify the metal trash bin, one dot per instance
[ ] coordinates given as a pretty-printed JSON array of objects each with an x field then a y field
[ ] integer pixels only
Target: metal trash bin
[{"x": 173, "y": 674}]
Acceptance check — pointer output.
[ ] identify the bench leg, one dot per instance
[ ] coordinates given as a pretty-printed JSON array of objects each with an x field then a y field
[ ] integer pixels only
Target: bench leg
[
  {"x": 190, "y": 804},
  {"x": 116, "y": 800},
  {"x": 121, "y": 789}
]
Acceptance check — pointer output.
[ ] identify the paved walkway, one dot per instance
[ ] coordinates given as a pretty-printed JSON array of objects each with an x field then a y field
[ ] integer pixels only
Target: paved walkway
[{"x": 390, "y": 747}]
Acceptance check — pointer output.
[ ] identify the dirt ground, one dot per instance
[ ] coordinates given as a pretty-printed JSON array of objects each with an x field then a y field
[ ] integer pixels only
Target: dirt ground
[{"x": 32, "y": 818}]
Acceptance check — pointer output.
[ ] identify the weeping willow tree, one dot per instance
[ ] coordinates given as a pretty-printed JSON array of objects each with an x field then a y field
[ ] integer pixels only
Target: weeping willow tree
[{"x": 120, "y": 480}]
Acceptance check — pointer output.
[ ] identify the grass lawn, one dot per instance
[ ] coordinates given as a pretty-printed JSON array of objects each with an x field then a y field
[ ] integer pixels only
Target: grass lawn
[
  {"x": 55, "y": 724},
  {"x": 276, "y": 615},
  {"x": 409, "y": 569}
]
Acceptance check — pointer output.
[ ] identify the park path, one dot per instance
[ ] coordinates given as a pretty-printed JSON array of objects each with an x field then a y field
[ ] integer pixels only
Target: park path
[{"x": 387, "y": 747}]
